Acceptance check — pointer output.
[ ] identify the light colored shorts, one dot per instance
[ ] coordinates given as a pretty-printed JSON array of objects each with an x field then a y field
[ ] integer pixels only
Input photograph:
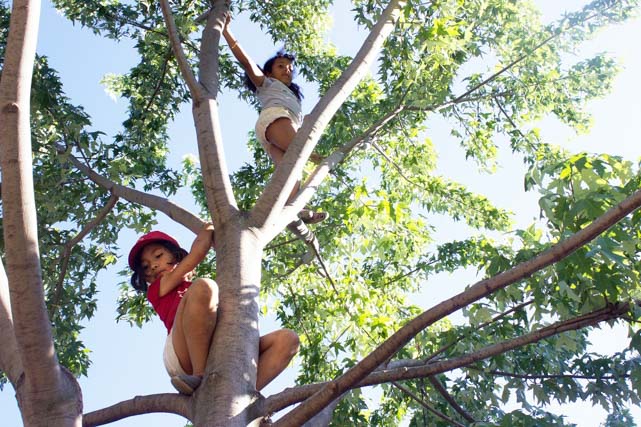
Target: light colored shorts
[
  {"x": 172, "y": 364},
  {"x": 267, "y": 117}
]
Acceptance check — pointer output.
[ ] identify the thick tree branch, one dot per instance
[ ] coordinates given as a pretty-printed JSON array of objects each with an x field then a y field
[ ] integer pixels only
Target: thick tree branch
[
  {"x": 218, "y": 190},
  {"x": 324, "y": 417},
  {"x": 269, "y": 207},
  {"x": 44, "y": 386},
  {"x": 411, "y": 369},
  {"x": 66, "y": 253},
  {"x": 167, "y": 402},
  {"x": 209, "y": 60},
  {"x": 10, "y": 362},
  {"x": 610, "y": 312},
  {"x": 477, "y": 291},
  {"x": 30, "y": 322},
  {"x": 174, "y": 39},
  {"x": 172, "y": 210}
]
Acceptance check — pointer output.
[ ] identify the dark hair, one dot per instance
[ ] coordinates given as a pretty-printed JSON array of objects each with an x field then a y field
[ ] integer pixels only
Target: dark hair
[
  {"x": 267, "y": 68},
  {"x": 138, "y": 277}
]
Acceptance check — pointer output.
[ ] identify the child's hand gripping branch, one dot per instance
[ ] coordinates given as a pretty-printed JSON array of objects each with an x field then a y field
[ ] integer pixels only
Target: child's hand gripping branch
[
  {"x": 280, "y": 100},
  {"x": 188, "y": 309}
]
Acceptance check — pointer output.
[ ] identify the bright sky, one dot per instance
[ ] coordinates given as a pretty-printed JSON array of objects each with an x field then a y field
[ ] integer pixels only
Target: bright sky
[{"x": 127, "y": 361}]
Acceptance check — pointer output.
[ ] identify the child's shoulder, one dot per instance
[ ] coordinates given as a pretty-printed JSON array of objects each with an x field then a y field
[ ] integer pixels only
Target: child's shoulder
[{"x": 268, "y": 81}]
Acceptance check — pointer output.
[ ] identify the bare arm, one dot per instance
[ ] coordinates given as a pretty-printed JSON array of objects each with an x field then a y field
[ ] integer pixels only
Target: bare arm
[
  {"x": 196, "y": 255},
  {"x": 251, "y": 68}
]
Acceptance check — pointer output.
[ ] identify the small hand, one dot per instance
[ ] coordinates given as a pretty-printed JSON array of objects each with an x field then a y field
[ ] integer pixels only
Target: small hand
[{"x": 209, "y": 227}]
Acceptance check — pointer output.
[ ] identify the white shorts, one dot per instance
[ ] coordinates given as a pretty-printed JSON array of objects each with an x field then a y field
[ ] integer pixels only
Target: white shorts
[
  {"x": 267, "y": 117},
  {"x": 172, "y": 364}
]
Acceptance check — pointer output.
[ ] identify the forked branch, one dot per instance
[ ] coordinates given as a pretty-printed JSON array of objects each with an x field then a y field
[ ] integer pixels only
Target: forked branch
[
  {"x": 477, "y": 291},
  {"x": 425, "y": 404},
  {"x": 172, "y": 210},
  {"x": 183, "y": 63},
  {"x": 412, "y": 369},
  {"x": 270, "y": 207},
  {"x": 66, "y": 253},
  {"x": 448, "y": 397}
]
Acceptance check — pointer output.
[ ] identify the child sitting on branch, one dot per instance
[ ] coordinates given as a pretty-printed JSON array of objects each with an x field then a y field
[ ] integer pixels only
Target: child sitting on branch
[{"x": 163, "y": 270}]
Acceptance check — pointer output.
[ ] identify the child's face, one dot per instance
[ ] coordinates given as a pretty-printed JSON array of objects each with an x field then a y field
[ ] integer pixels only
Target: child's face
[
  {"x": 156, "y": 260},
  {"x": 283, "y": 70}
]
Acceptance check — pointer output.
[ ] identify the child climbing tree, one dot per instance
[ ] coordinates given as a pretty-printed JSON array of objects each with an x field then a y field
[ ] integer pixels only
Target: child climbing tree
[{"x": 543, "y": 287}]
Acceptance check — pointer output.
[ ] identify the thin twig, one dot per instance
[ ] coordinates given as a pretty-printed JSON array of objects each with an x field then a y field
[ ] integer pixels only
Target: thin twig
[
  {"x": 478, "y": 328},
  {"x": 464, "y": 97},
  {"x": 550, "y": 376},
  {"x": 457, "y": 101},
  {"x": 309, "y": 238},
  {"x": 507, "y": 116},
  {"x": 336, "y": 340},
  {"x": 278, "y": 245},
  {"x": 425, "y": 405},
  {"x": 506, "y": 68},
  {"x": 397, "y": 167},
  {"x": 297, "y": 310},
  {"x": 133, "y": 23},
  {"x": 407, "y": 274},
  {"x": 183, "y": 64},
  {"x": 448, "y": 397},
  {"x": 163, "y": 73},
  {"x": 511, "y": 121},
  {"x": 290, "y": 271},
  {"x": 66, "y": 253},
  {"x": 322, "y": 263}
]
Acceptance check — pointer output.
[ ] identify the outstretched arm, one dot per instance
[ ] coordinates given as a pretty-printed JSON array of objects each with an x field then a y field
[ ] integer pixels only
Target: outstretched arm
[
  {"x": 199, "y": 248},
  {"x": 251, "y": 68}
]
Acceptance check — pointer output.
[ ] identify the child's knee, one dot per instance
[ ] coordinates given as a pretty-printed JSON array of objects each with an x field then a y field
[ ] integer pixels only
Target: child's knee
[
  {"x": 203, "y": 289},
  {"x": 290, "y": 341}
]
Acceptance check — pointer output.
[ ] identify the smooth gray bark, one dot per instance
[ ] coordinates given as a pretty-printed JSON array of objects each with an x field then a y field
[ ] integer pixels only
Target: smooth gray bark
[
  {"x": 10, "y": 362},
  {"x": 47, "y": 394}
]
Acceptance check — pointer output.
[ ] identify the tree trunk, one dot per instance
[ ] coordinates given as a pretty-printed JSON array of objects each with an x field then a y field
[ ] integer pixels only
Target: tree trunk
[
  {"x": 47, "y": 394},
  {"x": 10, "y": 362},
  {"x": 230, "y": 384}
]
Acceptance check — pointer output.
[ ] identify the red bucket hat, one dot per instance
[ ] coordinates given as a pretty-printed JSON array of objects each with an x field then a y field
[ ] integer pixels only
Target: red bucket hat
[{"x": 151, "y": 237}]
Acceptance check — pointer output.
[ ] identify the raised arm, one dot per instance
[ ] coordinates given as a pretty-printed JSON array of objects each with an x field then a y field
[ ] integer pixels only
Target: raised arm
[
  {"x": 199, "y": 248},
  {"x": 253, "y": 71}
]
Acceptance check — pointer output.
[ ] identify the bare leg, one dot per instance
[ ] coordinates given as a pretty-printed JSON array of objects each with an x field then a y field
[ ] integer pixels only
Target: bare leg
[
  {"x": 280, "y": 134},
  {"x": 194, "y": 325},
  {"x": 276, "y": 351}
]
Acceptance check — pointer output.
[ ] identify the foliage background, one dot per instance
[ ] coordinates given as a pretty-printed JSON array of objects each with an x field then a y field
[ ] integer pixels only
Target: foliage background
[{"x": 126, "y": 361}]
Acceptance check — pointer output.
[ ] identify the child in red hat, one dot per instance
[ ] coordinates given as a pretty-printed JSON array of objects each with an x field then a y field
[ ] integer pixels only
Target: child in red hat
[{"x": 163, "y": 270}]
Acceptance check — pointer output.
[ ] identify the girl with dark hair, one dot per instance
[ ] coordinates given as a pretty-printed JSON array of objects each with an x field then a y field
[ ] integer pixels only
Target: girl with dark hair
[
  {"x": 163, "y": 270},
  {"x": 280, "y": 101}
]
